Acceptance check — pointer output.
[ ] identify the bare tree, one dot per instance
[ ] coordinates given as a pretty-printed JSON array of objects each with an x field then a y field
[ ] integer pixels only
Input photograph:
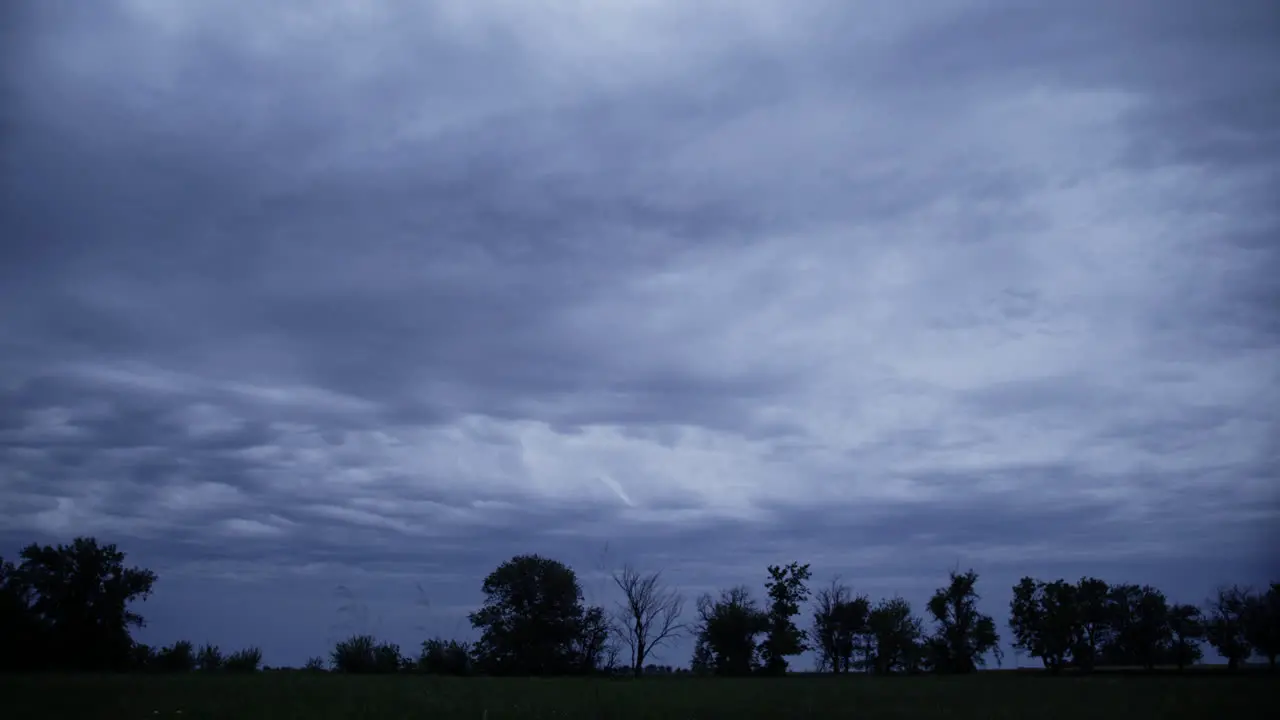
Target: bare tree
[{"x": 649, "y": 614}]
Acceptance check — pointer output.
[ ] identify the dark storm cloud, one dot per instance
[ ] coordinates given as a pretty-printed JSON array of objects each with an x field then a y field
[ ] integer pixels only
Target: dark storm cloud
[{"x": 295, "y": 298}]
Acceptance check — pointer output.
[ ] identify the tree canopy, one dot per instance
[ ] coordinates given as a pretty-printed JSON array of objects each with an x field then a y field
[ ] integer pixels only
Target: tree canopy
[
  {"x": 69, "y": 606},
  {"x": 964, "y": 635},
  {"x": 533, "y": 621}
]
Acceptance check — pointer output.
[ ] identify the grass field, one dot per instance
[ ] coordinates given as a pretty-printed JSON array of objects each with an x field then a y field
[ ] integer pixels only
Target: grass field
[{"x": 318, "y": 697}]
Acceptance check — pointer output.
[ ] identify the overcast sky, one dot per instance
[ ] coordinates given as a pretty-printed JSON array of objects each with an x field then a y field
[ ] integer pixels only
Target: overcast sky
[{"x": 301, "y": 295}]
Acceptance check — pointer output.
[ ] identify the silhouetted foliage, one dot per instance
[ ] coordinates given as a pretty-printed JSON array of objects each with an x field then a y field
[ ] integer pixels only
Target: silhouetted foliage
[
  {"x": 594, "y": 648},
  {"x": 315, "y": 664},
  {"x": 363, "y": 654},
  {"x": 445, "y": 657},
  {"x": 786, "y": 590},
  {"x": 1094, "y": 614},
  {"x": 66, "y": 607},
  {"x": 533, "y": 621},
  {"x": 1093, "y": 624},
  {"x": 839, "y": 626},
  {"x": 964, "y": 635},
  {"x": 895, "y": 635},
  {"x": 23, "y": 630},
  {"x": 1139, "y": 626},
  {"x": 209, "y": 658},
  {"x": 1225, "y": 625},
  {"x": 726, "y": 633},
  {"x": 244, "y": 661},
  {"x": 1262, "y": 623},
  {"x": 1186, "y": 630},
  {"x": 143, "y": 657},
  {"x": 1045, "y": 620},
  {"x": 178, "y": 657},
  {"x": 648, "y": 615}
]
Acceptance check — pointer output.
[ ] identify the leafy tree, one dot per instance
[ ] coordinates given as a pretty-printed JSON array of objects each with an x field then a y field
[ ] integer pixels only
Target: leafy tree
[
  {"x": 209, "y": 658},
  {"x": 24, "y": 631},
  {"x": 895, "y": 636},
  {"x": 703, "y": 660},
  {"x": 244, "y": 661},
  {"x": 178, "y": 657},
  {"x": 354, "y": 655},
  {"x": 1225, "y": 624},
  {"x": 786, "y": 589},
  {"x": 592, "y": 649},
  {"x": 1139, "y": 626},
  {"x": 1186, "y": 629},
  {"x": 1149, "y": 637},
  {"x": 315, "y": 664},
  {"x": 1262, "y": 623},
  {"x": 1044, "y": 619},
  {"x": 648, "y": 615},
  {"x": 441, "y": 657},
  {"x": 69, "y": 605},
  {"x": 531, "y": 619},
  {"x": 727, "y": 631},
  {"x": 964, "y": 635},
  {"x": 1095, "y": 617},
  {"x": 839, "y": 620}
]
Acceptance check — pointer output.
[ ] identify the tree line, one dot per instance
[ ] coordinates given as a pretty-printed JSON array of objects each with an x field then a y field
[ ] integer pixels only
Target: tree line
[{"x": 68, "y": 607}]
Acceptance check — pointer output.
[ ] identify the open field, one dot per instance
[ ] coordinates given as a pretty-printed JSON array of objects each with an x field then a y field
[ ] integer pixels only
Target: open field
[{"x": 317, "y": 697}]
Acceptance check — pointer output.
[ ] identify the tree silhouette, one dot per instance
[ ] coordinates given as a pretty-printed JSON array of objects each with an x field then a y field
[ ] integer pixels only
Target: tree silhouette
[
  {"x": 839, "y": 620},
  {"x": 1045, "y": 620},
  {"x": 24, "y": 631},
  {"x": 69, "y": 604},
  {"x": 247, "y": 660},
  {"x": 1150, "y": 637},
  {"x": 176, "y": 658},
  {"x": 1225, "y": 624},
  {"x": 363, "y": 654},
  {"x": 1186, "y": 629},
  {"x": 726, "y": 633},
  {"x": 648, "y": 615},
  {"x": 964, "y": 635},
  {"x": 441, "y": 657},
  {"x": 592, "y": 648},
  {"x": 67, "y": 607},
  {"x": 1095, "y": 615},
  {"x": 209, "y": 658},
  {"x": 531, "y": 618},
  {"x": 786, "y": 589},
  {"x": 143, "y": 657},
  {"x": 1262, "y": 623},
  {"x": 895, "y": 637}
]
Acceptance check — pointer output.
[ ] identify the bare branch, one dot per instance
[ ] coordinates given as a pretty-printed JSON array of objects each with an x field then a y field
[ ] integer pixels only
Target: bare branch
[{"x": 648, "y": 616}]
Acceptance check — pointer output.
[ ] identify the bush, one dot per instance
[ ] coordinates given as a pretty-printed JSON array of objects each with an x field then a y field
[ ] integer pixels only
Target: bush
[
  {"x": 315, "y": 664},
  {"x": 143, "y": 657},
  {"x": 178, "y": 657},
  {"x": 387, "y": 658},
  {"x": 244, "y": 661},
  {"x": 441, "y": 657},
  {"x": 209, "y": 659},
  {"x": 363, "y": 654}
]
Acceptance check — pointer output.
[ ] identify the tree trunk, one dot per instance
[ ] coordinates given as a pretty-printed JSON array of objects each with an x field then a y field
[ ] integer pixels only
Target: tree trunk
[{"x": 640, "y": 651}]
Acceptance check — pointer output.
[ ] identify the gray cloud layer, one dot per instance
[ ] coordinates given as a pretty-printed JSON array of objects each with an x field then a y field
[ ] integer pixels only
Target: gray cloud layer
[{"x": 298, "y": 297}]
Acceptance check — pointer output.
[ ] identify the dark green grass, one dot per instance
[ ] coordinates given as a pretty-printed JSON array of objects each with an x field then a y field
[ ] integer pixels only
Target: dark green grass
[{"x": 320, "y": 696}]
